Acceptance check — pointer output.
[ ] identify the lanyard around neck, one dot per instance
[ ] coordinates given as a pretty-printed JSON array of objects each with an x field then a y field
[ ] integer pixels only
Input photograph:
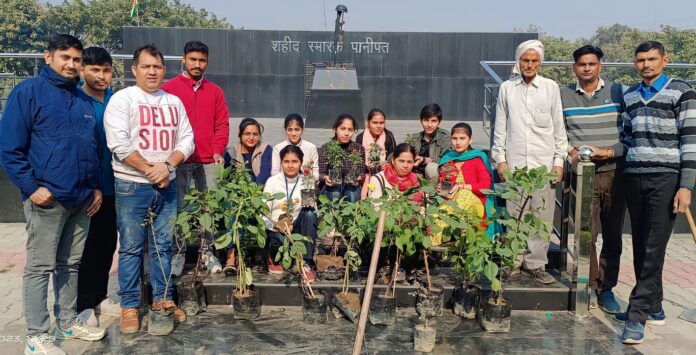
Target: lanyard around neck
[{"x": 288, "y": 195}]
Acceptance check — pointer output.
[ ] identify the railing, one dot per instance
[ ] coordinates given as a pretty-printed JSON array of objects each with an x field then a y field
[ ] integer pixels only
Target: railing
[{"x": 9, "y": 80}]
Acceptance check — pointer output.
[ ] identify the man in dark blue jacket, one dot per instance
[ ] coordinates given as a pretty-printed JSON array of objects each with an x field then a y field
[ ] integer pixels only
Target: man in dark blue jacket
[{"x": 48, "y": 147}]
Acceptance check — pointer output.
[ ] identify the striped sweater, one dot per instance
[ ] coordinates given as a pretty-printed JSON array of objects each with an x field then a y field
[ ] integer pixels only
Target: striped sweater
[
  {"x": 660, "y": 133},
  {"x": 595, "y": 121}
]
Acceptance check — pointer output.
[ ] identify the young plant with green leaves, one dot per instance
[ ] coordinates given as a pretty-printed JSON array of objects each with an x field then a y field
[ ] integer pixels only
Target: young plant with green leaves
[
  {"x": 236, "y": 200},
  {"x": 334, "y": 154},
  {"x": 489, "y": 256},
  {"x": 355, "y": 223},
  {"x": 293, "y": 249},
  {"x": 374, "y": 157}
]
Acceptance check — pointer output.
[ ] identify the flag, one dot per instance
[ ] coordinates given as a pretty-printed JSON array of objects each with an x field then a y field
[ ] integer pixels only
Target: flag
[{"x": 135, "y": 8}]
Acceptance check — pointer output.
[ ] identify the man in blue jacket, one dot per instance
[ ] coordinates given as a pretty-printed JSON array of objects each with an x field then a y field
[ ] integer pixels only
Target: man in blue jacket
[{"x": 48, "y": 147}]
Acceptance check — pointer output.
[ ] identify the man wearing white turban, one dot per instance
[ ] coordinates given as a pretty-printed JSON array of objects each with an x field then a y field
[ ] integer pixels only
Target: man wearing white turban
[{"x": 529, "y": 131}]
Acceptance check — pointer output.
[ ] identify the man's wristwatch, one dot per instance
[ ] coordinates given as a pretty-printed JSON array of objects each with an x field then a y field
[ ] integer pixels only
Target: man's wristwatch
[{"x": 171, "y": 168}]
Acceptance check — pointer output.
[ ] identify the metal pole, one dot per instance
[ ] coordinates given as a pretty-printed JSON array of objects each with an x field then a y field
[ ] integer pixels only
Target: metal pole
[
  {"x": 584, "y": 192},
  {"x": 367, "y": 296}
]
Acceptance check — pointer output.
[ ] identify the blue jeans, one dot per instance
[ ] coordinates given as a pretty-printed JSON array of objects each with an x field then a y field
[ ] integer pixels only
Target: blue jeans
[
  {"x": 56, "y": 239},
  {"x": 134, "y": 201},
  {"x": 350, "y": 192}
]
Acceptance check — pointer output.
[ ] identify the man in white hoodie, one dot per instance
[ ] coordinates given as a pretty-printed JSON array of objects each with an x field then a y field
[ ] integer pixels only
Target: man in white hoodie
[{"x": 149, "y": 135}]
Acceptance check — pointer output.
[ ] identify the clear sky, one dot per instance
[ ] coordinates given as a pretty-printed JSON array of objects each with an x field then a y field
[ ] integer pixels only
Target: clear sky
[{"x": 571, "y": 19}]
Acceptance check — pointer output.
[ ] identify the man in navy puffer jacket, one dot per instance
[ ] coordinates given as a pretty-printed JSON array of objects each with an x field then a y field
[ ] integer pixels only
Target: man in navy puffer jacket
[{"x": 48, "y": 147}]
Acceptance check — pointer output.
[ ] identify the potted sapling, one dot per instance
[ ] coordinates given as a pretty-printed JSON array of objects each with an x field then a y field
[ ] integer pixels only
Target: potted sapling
[
  {"x": 334, "y": 157},
  {"x": 160, "y": 319},
  {"x": 489, "y": 257},
  {"x": 308, "y": 192},
  {"x": 198, "y": 217},
  {"x": 354, "y": 172},
  {"x": 449, "y": 171},
  {"x": 374, "y": 158},
  {"x": 248, "y": 203},
  {"x": 361, "y": 219},
  {"x": 314, "y": 304}
]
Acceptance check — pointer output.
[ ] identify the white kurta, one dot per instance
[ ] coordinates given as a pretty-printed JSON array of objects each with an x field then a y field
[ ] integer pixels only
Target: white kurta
[{"x": 529, "y": 128}]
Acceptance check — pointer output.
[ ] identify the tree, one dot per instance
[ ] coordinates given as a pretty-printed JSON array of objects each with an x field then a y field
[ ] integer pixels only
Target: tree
[
  {"x": 101, "y": 22},
  {"x": 22, "y": 28}
]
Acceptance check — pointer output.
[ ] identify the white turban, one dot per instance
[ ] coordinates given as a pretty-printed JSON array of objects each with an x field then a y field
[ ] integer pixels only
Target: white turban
[{"x": 533, "y": 44}]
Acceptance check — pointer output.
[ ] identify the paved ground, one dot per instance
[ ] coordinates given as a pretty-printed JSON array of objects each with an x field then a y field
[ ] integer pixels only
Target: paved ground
[{"x": 677, "y": 337}]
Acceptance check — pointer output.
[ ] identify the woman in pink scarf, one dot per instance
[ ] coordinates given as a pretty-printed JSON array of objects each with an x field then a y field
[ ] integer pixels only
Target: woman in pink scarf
[
  {"x": 375, "y": 136},
  {"x": 398, "y": 174}
]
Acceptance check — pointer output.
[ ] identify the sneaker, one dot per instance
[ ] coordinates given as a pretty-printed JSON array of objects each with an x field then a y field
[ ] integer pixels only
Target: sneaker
[
  {"x": 179, "y": 314},
  {"x": 80, "y": 331},
  {"x": 274, "y": 269},
  {"x": 540, "y": 275},
  {"x": 178, "y": 261},
  {"x": 633, "y": 333},
  {"x": 213, "y": 263},
  {"x": 608, "y": 302},
  {"x": 41, "y": 345},
  {"x": 88, "y": 317},
  {"x": 309, "y": 274},
  {"x": 129, "y": 323},
  {"x": 108, "y": 307},
  {"x": 656, "y": 318}
]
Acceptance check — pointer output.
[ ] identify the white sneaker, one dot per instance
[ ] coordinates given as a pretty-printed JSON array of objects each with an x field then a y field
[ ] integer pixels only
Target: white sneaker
[
  {"x": 80, "y": 331},
  {"x": 109, "y": 307},
  {"x": 88, "y": 317},
  {"x": 213, "y": 263},
  {"x": 41, "y": 345},
  {"x": 178, "y": 261}
]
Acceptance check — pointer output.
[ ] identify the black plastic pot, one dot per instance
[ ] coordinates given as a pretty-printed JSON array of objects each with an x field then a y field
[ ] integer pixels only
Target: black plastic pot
[
  {"x": 382, "y": 310},
  {"x": 429, "y": 304},
  {"x": 314, "y": 310},
  {"x": 424, "y": 338},
  {"x": 191, "y": 297},
  {"x": 246, "y": 307},
  {"x": 496, "y": 318},
  {"x": 466, "y": 300},
  {"x": 348, "y": 304},
  {"x": 336, "y": 177},
  {"x": 160, "y": 321},
  {"x": 446, "y": 187},
  {"x": 308, "y": 198}
]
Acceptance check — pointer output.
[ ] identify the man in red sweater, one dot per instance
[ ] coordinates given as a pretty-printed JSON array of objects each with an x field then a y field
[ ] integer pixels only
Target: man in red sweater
[{"x": 207, "y": 111}]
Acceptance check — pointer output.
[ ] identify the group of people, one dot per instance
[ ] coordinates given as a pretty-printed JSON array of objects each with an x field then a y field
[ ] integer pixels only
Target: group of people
[
  {"x": 643, "y": 143},
  {"x": 93, "y": 166}
]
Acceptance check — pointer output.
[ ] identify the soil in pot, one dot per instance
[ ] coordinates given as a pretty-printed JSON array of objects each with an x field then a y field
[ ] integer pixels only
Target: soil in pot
[
  {"x": 429, "y": 303},
  {"x": 465, "y": 300},
  {"x": 382, "y": 310},
  {"x": 348, "y": 304},
  {"x": 329, "y": 267},
  {"x": 424, "y": 338},
  {"x": 285, "y": 221},
  {"x": 246, "y": 306},
  {"x": 160, "y": 321},
  {"x": 314, "y": 309},
  {"x": 191, "y": 297},
  {"x": 495, "y": 318}
]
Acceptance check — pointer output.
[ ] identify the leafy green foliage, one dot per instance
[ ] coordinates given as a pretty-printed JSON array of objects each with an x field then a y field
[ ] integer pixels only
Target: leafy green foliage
[
  {"x": 474, "y": 255},
  {"x": 238, "y": 203},
  {"x": 334, "y": 154}
]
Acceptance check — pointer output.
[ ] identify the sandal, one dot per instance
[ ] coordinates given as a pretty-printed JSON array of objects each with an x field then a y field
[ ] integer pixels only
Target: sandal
[{"x": 230, "y": 268}]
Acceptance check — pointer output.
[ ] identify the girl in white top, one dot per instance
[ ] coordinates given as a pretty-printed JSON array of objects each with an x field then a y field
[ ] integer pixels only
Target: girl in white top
[
  {"x": 294, "y": 127},
  {"x": 304, "y": 219}
]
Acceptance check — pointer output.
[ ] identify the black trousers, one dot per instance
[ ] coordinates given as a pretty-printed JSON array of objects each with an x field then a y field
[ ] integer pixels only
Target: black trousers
[
  {"x": 650, "y": 203},
  {"x": 93, "y": 276},
  {"x": 608, "y": 210}
]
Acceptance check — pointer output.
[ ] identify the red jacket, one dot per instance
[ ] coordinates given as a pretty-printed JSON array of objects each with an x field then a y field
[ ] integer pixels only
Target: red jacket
[{"x": 207, "y": 112}]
